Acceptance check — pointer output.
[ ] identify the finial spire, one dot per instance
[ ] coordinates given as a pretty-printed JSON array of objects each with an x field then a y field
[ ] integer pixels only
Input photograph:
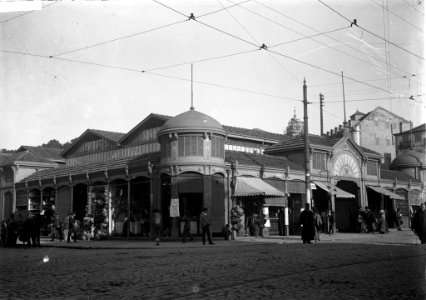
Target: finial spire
[
  {"x": 294, "y": 112},
  {"x": 192, "y": 90}
]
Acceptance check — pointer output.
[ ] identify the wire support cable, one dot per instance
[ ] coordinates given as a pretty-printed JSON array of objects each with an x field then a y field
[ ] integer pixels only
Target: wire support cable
[
  {"x": 29, "y": 12},
  {"x": 332, "y": 38},
  {"x": 372, "y": 33}
]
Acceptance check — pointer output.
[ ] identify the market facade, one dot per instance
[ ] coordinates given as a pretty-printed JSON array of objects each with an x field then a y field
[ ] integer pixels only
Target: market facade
[{"x": 188, "y": 162}]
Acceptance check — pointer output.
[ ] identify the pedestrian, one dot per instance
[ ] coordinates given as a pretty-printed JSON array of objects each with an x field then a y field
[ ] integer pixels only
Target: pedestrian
[
  {"x": 156, "y": 225},
  {"x": 25, "y": 232},
  {"x": 281, "y": 222},
  {"x": 331, "y": 219},
  {"x": 36, "y": 223},
  {"x": 205, "y": 227},
  {"x": 227, "y": 232},
  {"x": 307, "y": 223},
  {"x": 186, "y": 227},
  {"x": 317, "y": 224},
  {"x": 71, "y": 227},
  {"x": 419, "y": 223},
  {"x": 398, "y": 217},
  {"x": 57, "y": 227},
  {"x": 382, "y": 222},
  {"x": 3, "y": 233}
]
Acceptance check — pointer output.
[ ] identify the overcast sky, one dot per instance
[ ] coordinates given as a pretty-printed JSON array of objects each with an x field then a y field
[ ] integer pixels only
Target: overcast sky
[{"x": 108, "y": 64}]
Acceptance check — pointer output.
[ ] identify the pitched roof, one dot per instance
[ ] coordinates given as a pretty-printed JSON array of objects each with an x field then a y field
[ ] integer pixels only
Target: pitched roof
[
  {"x": 365, "y": 116},
  {"x": 22, "y": 156},
  {"x": 46, "y": 152},
  {"x": 255, "y": 133},
  {"x": 420, "y": 128},
  {"x": 153, "y": 158},
  {"x": 298, "y": 142},
  {"x": 111, "y": 135},
  {"x": 268, "y": 161},
  {"x": 391, "y": 175}
]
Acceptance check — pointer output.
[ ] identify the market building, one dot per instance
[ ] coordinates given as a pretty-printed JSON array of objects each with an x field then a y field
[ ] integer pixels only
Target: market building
[{"x": 190, "y": 161}]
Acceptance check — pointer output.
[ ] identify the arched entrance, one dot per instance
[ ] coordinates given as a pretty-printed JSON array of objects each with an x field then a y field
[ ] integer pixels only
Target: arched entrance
[
  {"x": 346, "y": 209},
  {"x": 119, "y": 205},
  {"x": 140, "y": 206},
  {"x": 217, "y": 211},
  {"x": 79, "y": 201},
  {"x": 190, "y": 188}
]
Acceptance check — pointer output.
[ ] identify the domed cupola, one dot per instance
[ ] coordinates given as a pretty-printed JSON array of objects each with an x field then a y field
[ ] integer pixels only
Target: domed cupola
[
  {"x": 192, "y": 138},
  {"x": 409, "y": 158}
]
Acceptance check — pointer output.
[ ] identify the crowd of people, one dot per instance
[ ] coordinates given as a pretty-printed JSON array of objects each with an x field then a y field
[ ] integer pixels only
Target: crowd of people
[{"x": 24, "y": 228}]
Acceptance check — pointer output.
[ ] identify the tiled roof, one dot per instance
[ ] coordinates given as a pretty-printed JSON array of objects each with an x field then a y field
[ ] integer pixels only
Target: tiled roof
[
  {"x": 115, "y": 136},
  {"x": 5, "y": 158},
  {"x": 420, "y": 128},
  {"x": 23, "y": 156},
  {"x": 391, "y": 175},
  {"x": 153, "y": 158},
  {"x": 255, "y": 133},
  {"x": 325, "y": 140},
  {"x": 46, "y": 152},
  {"x": 268, "y": 161}
]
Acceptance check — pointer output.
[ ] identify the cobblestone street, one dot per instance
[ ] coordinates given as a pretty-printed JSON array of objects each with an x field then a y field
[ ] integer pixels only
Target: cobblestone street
[{"x": 352, "y": 267}]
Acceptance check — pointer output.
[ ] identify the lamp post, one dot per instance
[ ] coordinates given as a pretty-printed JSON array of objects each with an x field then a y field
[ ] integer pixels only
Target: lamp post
[{"x": 306, "y": 132}]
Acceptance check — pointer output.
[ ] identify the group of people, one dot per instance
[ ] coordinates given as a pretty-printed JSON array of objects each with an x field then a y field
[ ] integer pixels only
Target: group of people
[
  {"x": 25, "y": 229},
  {"x": 312, "y": 224},
  {"x": 205, "y": 223},
  {"x": 369, "y": 222},
  {"x": 418, "y": 223}
]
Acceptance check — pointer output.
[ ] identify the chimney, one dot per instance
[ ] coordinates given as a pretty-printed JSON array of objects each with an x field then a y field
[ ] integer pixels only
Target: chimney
[
  {"x": 356, "y": 135},
  {"x": 331, "y": 132},
  {"x": 400, "y": 127},
  {"x": 340, "y": 128}
]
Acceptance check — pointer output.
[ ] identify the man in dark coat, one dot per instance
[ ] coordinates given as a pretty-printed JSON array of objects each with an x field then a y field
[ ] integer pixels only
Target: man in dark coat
[
  {"x": 307, "y": 223},
  {"x": 419, "y": 223}
]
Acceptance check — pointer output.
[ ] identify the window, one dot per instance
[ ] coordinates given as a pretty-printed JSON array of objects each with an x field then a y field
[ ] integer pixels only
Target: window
[
  {"x": 319, "y": 160},
  {"x": 217, "y": 149},
  {"x": 372, "y": 167},
  {"x": 190, "y": 145}
]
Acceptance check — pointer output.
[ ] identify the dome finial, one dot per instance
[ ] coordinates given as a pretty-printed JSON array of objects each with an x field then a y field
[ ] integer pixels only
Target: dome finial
[{"x": 192, "y": 91}]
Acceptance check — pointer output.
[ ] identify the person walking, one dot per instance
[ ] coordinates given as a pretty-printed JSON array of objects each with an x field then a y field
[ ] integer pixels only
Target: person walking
[
  {"x": 382, "y": 222},
  {"x": 71, "y": 227},
  {"x": 57, "y": 227},
  {"x": 398, "y": 217},
  {"x": 307, "y": 223},
  {"x": 156, "y": 225},
  {"x": 419, "y": 223},
  {"x": 331, "y": 220},
  {"x": 186, "y": 227},
  {"x": 317, "y": 224},
  {"x": 205, "y": 227}
]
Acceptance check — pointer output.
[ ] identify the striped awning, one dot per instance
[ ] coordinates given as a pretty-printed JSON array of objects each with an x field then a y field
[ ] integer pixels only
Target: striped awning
[
  {"x": 380, "y": 190},
  {"x": 337, "y": 192},
  {"x": 251, "y": 186}
]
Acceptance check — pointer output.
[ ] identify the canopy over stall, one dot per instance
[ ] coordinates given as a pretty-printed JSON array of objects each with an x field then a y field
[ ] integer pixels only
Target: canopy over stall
[
  {"x": 339, "y": 193},
  {"x": 385, "y": 192},
  {"x": 251, "y": 186}
]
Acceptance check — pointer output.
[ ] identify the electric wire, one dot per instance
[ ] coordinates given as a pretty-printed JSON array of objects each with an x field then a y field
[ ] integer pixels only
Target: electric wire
[
  {"x": 413, "y": 7},
  {"x": 29, "y": 12},
  {"x": 373, "y": 99},
  {"x": 371, "y": 80},
  {"x": 398, "y": 16},
  {"x": 145, "y": 31},
  {"x": 264, "y": 47},
  {"x": 334, "y": 39},
  {"x": 151, "y": 73},
  {"x": 224, "y": 8},
  {"x": 120, "y": 38},
  {"x": 372, "y": 33}
]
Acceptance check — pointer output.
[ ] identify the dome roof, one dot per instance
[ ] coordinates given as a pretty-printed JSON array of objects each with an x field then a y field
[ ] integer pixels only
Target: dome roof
[
  {"x": 409, "y": 158},
  {"x": 193, "y": 121}
]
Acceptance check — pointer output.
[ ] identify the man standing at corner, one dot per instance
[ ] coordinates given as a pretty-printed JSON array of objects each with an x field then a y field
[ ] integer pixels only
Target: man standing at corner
[
  {"x": 205, "y": 227},
  {"x": 307, "y": 223},
  {"x": 156, "y": 222}
]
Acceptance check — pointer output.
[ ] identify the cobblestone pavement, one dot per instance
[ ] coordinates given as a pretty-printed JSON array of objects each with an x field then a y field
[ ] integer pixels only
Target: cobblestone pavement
[{"x": 339, "y": 267}]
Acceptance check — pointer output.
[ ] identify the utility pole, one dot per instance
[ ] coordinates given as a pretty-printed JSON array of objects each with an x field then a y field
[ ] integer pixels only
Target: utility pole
[
  {"x": 321, "y": 113},
  {"x": 307, "y": 160}
]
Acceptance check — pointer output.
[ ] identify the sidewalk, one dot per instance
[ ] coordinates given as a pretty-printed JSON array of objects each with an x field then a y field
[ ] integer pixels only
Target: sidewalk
[{"x": 394, "y": 237}]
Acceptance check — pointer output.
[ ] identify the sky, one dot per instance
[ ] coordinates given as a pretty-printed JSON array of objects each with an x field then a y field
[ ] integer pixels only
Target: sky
[{"x": 106, "y": 65}]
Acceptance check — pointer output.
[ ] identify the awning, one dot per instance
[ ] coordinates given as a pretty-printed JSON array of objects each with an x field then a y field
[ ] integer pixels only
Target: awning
[
  {"x": 385, "y": 192},
  {"x": 343, "y": 194},
  {"x": 251, "y": 186},
  {"x": 339, "y": 193},
  {"x": 278, "y": 201}
]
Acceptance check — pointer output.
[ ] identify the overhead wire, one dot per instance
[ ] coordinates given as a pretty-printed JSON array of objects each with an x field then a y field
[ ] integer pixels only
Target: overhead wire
[
  {"x": 146, "y": 31},
  {"x": 413, "y": 7},
  {"x": 336, "y": 40},
  {"x": 150, "y": 73},
  {"x": 29, "y": 12},
  {"x": 372, "y": 33},
  {"x": 371, "y": 80},
  {"x": 396, "y": 15},
  {"x": 264, "y": 47}
]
